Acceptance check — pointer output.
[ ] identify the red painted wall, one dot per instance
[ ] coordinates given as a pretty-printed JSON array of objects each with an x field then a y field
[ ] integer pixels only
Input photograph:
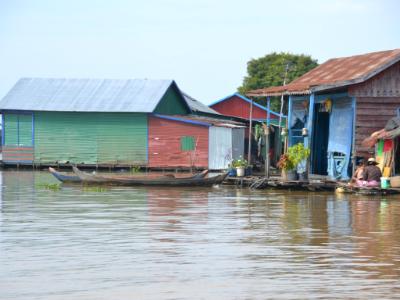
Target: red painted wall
[
  {"x": 165, "y": 144},
  {"x": 237, "y": 107}
]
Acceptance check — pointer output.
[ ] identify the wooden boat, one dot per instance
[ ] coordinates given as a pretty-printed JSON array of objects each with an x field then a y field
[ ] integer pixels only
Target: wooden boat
[
  {"x": 195, "y": 180},
  {"x": 345, "y": 188},
  {"x": 64, "y": 177},
  {"x": 72, "y": 178}
]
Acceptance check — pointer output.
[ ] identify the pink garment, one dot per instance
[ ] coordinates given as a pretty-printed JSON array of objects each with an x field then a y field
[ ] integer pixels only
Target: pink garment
[{"x": 372, "y": 183}]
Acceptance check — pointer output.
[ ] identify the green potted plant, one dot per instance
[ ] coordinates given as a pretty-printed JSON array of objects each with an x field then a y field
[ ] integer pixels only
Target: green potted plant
[
  {"x": 291, "y": 160},
  {"x": 240, "y": 165}
]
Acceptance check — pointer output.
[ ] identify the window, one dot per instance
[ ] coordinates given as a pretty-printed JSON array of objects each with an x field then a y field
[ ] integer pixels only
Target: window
[
  {"x": 17, "y": 129},
  {"x": 187, "y": 143}
]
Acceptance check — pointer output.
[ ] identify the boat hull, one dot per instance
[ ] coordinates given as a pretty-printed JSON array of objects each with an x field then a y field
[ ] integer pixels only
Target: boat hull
[
  {"x": 64, "y": 177},
  {"x": 160, "y": 181}
]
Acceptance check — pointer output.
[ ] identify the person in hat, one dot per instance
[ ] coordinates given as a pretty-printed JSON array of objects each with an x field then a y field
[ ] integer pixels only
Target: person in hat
[{"x": 371, "y": 174}]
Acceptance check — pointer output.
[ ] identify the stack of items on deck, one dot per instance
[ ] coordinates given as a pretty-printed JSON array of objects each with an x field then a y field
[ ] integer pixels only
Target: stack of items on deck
[{"x": 386, "y": 142}]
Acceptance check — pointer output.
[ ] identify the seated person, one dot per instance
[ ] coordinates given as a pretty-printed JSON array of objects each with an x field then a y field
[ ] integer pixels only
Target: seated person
[
  {"x": 358, "y": 173},
  {"x": 371, "y": 174}
]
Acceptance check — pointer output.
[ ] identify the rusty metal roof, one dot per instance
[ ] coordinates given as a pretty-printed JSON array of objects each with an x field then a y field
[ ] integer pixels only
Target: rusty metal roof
[{"x": 335, "y": 73}]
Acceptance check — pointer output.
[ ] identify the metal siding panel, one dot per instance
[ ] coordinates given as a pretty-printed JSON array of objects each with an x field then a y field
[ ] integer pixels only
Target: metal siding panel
[
  {"x": 25, "y": 130},
  {"x": 16, "y": 154},
  {"x": 122, "y": 139},
  {"x": 90, "y": 138},
  {"x": 237, "y": 143},
  {"x": 10, "y": 129},
  {"x": 165, "y": 144},
  {"x": 220, "y": 147}
]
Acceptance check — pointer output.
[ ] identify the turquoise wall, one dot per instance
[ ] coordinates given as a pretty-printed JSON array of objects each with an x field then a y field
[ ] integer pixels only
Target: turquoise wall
[{"x": 91, "y": 138}]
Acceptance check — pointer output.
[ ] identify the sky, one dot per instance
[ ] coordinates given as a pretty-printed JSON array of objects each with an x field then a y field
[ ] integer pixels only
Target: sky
[{"x": 203, "y": 45}]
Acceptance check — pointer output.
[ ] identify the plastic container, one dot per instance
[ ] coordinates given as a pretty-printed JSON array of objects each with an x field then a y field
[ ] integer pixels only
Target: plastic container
[
  {"x": 385, "y": 182},
  {"x": 395, "y": 181},
  {"x": 240, "y": 171},
  {"x": 232, "y": 173}
]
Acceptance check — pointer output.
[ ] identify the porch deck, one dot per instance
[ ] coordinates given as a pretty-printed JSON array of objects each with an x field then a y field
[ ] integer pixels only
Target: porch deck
[
  {"x": 260, "y": 182},
  {"x": 314, "y": 183}
]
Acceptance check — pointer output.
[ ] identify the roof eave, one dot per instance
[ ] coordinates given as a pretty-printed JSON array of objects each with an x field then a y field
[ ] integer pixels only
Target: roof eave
[{"x": 274, "y": 94}]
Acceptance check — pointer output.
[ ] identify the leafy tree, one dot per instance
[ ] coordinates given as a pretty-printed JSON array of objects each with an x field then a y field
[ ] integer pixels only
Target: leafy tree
[{"x": 270, "y": 70}]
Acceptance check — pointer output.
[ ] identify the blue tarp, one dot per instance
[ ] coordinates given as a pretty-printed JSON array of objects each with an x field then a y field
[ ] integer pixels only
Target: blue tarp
[{"x": 340, "y": 138}]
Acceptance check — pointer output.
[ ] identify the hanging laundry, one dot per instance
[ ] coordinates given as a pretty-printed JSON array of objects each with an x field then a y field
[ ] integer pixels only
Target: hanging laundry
[
  {"x": 388, "y": 146},
  {"x": 379, "y": 150}
]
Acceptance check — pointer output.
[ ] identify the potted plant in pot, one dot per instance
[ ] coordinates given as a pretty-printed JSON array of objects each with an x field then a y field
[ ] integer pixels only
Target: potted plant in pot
[
  {"x": 289, "y": 162},
  {"x": 287, "y": 167},
  {"x": 240, "y": 165},
  {"x": 299, "y": 155}
]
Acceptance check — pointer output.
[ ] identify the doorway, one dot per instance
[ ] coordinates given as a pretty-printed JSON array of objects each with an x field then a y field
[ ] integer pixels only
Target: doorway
[{"x": 320, "y": 138}]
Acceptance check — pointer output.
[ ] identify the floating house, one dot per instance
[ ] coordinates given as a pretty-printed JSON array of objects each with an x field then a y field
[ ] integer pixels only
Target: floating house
[
  {"x": 239, "y": 106},
  {"x": 100, "y": 122},
  {"x": 340, "y": 103}
]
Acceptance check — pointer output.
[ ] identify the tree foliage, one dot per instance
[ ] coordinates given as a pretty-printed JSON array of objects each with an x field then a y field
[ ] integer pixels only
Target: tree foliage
[{"x": 269, "y": 70}]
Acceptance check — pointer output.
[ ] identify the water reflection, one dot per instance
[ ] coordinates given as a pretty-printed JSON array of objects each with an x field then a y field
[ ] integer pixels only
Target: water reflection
[{"x": 166, "y": 243}]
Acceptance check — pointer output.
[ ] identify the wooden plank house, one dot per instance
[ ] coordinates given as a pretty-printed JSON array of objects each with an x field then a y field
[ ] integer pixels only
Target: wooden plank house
[{"x": 340, "y": 103}]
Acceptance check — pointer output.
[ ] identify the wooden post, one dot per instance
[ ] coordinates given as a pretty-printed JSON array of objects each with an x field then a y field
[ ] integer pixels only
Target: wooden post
[
  {"x": 354, "y": 152},
  {"x": 267, "y": 159},
  {"x": 250, "y": 131},
  {"x": 308, "y": 139},
  {"x": 282, "y": 98},
  {"x": 288, "y": 122},
  {"x": 267, "y": 145}
]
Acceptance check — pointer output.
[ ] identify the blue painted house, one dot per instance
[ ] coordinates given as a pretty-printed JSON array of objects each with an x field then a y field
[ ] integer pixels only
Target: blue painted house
[{"x": 340, "y": 103}]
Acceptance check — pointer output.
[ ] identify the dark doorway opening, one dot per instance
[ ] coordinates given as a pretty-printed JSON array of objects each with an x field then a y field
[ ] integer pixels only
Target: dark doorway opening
[{"x": 320, "y": 138}]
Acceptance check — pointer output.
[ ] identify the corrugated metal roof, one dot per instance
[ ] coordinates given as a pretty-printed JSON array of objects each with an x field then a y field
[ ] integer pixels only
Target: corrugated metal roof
[
  {"x": 334, "y": 73},
  {"x": 197, "y": 106},
  {"x": 203, "y": 121},
  {"x": 248, "y": 101},
  {"x": 86, "y": 95}
]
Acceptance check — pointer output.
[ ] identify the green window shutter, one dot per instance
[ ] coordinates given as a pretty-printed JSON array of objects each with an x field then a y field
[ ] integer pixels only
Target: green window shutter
[
  {"x": 10, "y": 129},
  {"x": 187, "y": 143},
  {"x": 25, "y": 130}
]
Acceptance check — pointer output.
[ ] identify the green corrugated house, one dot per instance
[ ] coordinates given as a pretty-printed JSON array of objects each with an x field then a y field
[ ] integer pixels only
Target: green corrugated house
[{"x": 84, "y": 121}]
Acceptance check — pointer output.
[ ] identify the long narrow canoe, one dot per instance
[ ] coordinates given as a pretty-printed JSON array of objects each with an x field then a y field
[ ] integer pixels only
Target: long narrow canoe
[
  {"x": 72, "y": 178},
  {"x": 155, "y": 181},
  {"x": 64, "y": 177}
]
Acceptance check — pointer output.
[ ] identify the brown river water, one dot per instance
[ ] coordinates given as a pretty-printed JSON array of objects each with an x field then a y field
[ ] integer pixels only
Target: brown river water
[{"x": 194, "y": 243}]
